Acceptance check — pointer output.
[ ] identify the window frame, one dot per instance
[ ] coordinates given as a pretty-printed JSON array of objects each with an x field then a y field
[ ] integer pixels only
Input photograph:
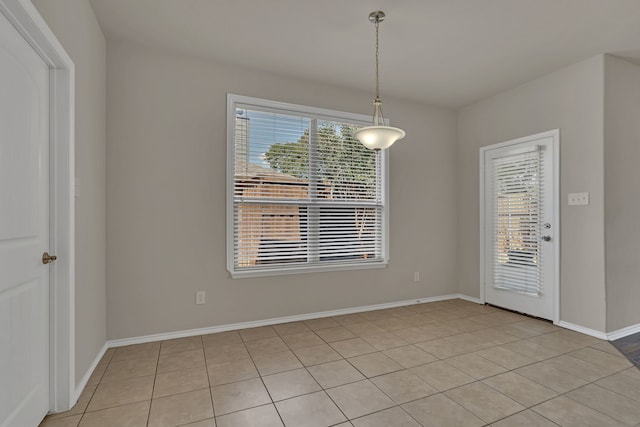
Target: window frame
[{"x": 240, "y": 101}]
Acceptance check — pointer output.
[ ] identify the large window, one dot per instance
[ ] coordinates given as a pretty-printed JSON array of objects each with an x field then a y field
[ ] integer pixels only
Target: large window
[{"x": 303, "y": 194}]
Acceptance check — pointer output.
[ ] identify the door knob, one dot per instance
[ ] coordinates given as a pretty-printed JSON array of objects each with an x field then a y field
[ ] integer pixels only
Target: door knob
[
  {"x": 48, "y": 259},
  {"x": 546, "y": 238}
]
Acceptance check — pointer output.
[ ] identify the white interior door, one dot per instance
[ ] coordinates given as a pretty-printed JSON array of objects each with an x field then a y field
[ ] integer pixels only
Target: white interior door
[
  {"x": 24, "y": 231},
  {"x": 520, "y": 226}
]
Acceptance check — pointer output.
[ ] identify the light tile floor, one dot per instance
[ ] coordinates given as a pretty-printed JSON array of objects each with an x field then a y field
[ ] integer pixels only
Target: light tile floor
[{"x": 449, "y": 363}]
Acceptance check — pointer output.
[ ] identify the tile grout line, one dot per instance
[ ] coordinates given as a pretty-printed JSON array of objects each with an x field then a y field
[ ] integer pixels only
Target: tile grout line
[
  {"x": 206, "y": 369},
  {"x": 525, "y": 410},
  {"x": 153, "y": 386}
]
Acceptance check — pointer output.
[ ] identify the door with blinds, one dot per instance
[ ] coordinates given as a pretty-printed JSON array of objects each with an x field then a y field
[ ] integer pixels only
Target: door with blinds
[{"x": 520, "y": 226}]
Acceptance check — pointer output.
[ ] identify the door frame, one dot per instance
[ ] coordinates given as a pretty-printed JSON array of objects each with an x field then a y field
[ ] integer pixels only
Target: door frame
[
  {"x": 555, "y": 135},
  {"x": 26, "y": 19}
]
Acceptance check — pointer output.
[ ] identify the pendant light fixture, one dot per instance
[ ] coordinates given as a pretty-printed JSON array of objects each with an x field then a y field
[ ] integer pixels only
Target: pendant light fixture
[{"x": 378, "y": 136}]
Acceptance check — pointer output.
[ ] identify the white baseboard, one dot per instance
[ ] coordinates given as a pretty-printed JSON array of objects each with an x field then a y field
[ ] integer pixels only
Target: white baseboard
[
  {"x": 624, "y": 332},
  {"x": 583, "y": 330},
  {"x": 470, "y": 299},
  {"x": 275, "y": 321},
  {"x": 621, "y": 333},
  {"x": 87, "y": 375},
  {"x": 610, "y": 336}
]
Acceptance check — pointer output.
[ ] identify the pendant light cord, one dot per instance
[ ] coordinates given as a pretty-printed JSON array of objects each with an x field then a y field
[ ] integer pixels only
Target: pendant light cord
[
  {"x": 377, "y": 63},
  {"x": 377, "y": 103}
]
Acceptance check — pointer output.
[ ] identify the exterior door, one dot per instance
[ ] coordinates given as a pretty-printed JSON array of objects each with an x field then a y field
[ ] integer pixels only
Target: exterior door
[
  {"x": 24, "y": 231},
  {"x": 520, "y": 225}
]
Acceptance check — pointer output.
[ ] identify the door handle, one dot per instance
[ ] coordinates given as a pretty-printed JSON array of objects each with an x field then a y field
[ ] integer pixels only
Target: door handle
[
  {"x": 48, "y": 259},
  {"x": 546, "y": 238}
]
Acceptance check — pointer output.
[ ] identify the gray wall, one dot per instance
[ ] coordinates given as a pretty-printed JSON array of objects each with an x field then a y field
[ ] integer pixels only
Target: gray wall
[
  {"x": 570, "y": 99},
  {"x": 622, "y": 191},
  {"x": 166, "y": 190},
  {"x": 75, "y": 25},
  {"x": 166, "y": 199}
]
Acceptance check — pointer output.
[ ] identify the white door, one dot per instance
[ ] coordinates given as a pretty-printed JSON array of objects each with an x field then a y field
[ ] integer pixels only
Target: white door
[
  {"x": 520, "y": 228},
  {"x": 24, "y": 231}
]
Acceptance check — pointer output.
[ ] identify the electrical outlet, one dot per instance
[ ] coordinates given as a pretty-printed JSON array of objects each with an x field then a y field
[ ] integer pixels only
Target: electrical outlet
[
  {"x": 416, "y": 276},
  {"x": 200, "y": 297}
]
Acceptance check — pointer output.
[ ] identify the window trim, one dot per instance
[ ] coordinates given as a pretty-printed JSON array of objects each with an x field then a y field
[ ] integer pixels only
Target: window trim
[{"x": 233, "y": 101}]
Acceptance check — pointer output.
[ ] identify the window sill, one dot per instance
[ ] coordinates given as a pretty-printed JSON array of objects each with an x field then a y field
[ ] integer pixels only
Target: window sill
[{"x": 306, "y": 269}]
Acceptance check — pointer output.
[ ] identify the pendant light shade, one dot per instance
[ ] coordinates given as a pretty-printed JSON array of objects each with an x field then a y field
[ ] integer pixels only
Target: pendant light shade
[{"x": 378, "y": 136}]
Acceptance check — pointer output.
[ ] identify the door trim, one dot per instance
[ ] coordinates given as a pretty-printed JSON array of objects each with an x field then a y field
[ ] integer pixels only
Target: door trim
[
  {"x": 555, "y": 135},
  {"x": 26, "y": 19}
]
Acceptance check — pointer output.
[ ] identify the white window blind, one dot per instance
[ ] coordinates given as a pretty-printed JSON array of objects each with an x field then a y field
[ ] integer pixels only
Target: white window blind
[
  {"x": 305, "y": 195},
  {"x": 517, "y": 184}
]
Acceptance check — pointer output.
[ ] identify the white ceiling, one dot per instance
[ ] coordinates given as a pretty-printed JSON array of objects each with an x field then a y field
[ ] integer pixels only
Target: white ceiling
[{"x": 441, "y": 52}]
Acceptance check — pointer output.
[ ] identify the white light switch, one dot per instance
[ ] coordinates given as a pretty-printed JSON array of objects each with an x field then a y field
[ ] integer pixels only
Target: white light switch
[{"x": 578, "y": 199}]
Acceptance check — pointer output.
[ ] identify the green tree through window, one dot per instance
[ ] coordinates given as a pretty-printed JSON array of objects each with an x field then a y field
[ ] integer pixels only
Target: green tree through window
[{"x": 343, "y": 163}]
